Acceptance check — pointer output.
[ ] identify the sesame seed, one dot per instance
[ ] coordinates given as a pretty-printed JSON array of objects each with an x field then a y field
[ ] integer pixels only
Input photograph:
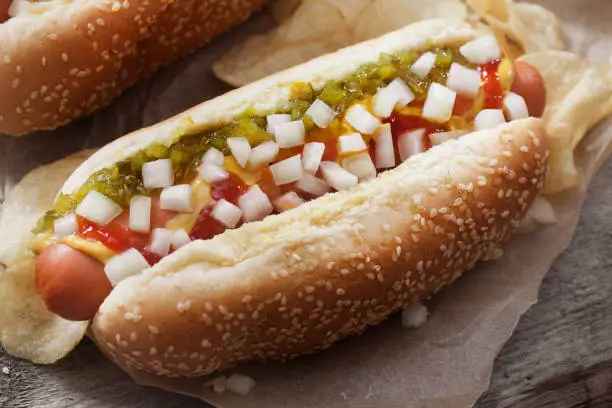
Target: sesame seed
[
  {"x": 524, "y": 149},
  {"x": 153, "y": 329},
  {"x": 52, "y": 36},
  {"x": 386, "y": 227},
  {"x": 133, "y": 336},
  {"x": 340, "y": 292},
  {"x": 152, "y": 351},
  {"x": 64, "y": 57}
]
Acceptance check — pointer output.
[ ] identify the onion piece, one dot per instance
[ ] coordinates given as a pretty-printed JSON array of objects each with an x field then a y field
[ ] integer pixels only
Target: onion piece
[
  {"x": 276, "y": 119},
  {"x": 290, "y": 134},
  {"x": 161, "y": 238},
  {"x": 362, "y": 120},
  {"x": 140, "y": 214},
  {"x": 481, "y": 50},
  {"x": 240, "y": 384},
  {"x": 255, "y": 204},
  {"x": 241, "y": 149},
  {"x": 463, "y": 80},
  {"x": 515, "y": 107},
  {"x": 489, "y": 119},
  {"x": 177, "y": 198},
  {"x": 385, "y": 152},
  {"x": 411, "y": 143},
  {"x": 351, "y": 143},
  {"x": 414, "y": 315},
  {"x": 288, "y": 202},
  {"x": 423, "y": 65},
  {"x": 405, "y": 93},
  {"x": 361, "y": 165},
  {"x": 337, "y": 177},
  {"x": 67, "y": 225},
  {"x": 312, "y": 185},
  {"x": 157, "y": 174},
  {"x": 384, "y": 102},
  {"x": 439, "y": 103},
  {"x": 321, "y": 113},
  {"x": 263, "y": 154},
  {"x": 287, "y": 171},
  {"x": 312, "y": 155},
  {"x": 212, "y": 173},
  {"x": 226, "y": 213},
  {"x": 180, "y": 238},
  {"x": 130, "y": 262},
  {"x": 98, "y": 208},
  {"x": 213, "y": 156}
]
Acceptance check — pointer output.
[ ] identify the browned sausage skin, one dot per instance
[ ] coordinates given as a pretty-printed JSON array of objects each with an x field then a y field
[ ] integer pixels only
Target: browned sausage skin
[
  {"x": 72, "y": 284},
  {"x": 529, "y": 84},
  {"x": 4, "y": 10}
]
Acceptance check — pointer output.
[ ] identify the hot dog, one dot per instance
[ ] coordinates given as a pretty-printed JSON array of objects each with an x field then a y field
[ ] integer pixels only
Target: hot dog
[
  {"x": 300, "y": 209},
  {"x": 62, "y": 60}
]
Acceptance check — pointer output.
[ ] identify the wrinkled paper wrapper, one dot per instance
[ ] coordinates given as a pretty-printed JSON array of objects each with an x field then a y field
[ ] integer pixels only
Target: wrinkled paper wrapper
[{"x": 445, "y": 363}]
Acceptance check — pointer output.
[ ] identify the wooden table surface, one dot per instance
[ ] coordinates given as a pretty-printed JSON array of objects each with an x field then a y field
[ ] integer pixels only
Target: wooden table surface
[{"x": 559, "y": 356}]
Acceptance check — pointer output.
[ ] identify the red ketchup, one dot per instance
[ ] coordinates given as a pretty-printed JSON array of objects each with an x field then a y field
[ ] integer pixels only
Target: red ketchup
[
  {"x": 401, "y": 124},
  {"x": 229, "y": 189},
  {"x": 493, "y": 91}
]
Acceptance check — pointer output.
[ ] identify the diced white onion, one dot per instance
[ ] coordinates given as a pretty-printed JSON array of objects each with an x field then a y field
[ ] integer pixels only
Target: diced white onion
[
  {"x": 441, "y": 137},
  {"x": 405, "y": 93},
  {"x": 255, "y": 204},
  {"x": 288, "y": 202},
  {"x": 361, "y": 165},
  {"x": 157, "y": 174},
  {"x": 414, "y": 315},
  {"x": 312, "y": 155},
  {"x": 320, "y": 113},
  {"x": 515, "y": 107},
  {"x": 277, "y": 119},
  {"x": 543, "y": 212},
  {"x": 312, "y": 185},
  {"x": 130, "y": 262},
  {"x": 424, "y": 64},
  {"x": 351, "y": 143},
  {"x": 384, "y": 102},
  {"x": 263, "y": 154},
  {"x": 385, "y": 152},
  {"x": 410, "y": 143},
  {"x": 67, "y": 225},
  {"x": 140, "y": 214},
  {"x": 481, "y": 50},
  {"x": 227, "y": 213},
  {"x": 362, "y": 120},
  {"x": 212, "y": 173},
  {"x": 287, "y": 171},
  {"x": 489, "y": 119},
  {"x": 98, "y": 208},
  {"x": 290, "y": 134},
  {"x": 463, "y": 80},
  {"x": 337, "y": 177},
  {"x": 213, "y": 156},
  {"x": 241, "y": 149},
  {"x": 240, "y": 384},
  {"x": 439, "y": 103},
  {"x": 177, "y": 198},
  {"x": 161, "y": 238},
  {"x": 180, "y": 238}
]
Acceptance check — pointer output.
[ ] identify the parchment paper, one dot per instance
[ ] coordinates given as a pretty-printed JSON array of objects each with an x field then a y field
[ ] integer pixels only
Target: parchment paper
[{"x": 445, "y": 363}]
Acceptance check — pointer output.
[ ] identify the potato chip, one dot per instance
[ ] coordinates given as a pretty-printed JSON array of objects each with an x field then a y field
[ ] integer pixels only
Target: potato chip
[
  {"x": 530, "y": 26},
  {"x": 319, "y": 27},
  {"x": 579, "y": 95},
  {"x": 27, "y": 329}
]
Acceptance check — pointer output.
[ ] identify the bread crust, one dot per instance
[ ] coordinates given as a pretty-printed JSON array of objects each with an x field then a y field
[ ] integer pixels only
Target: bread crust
[
  {"x": 77, "y": 57},
  {"x": 299, "y": 281}
]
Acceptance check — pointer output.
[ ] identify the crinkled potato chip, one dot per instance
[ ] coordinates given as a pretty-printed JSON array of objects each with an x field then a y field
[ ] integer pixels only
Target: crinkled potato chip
[
  {"x": 530, "y": 26},
  {"x": 579, "y": 95},
  {"x": 319, "y": 27},
  {"x": 27, "y": 329}
]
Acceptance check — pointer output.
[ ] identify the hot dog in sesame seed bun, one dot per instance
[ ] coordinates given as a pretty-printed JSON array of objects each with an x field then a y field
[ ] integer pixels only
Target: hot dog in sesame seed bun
[
  {"x": 63, "y": 59},
  {"x": 282, "y": 217}
]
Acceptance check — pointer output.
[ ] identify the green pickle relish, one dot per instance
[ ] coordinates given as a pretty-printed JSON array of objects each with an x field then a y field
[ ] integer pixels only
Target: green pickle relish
[{"x": 123, "y": 180}]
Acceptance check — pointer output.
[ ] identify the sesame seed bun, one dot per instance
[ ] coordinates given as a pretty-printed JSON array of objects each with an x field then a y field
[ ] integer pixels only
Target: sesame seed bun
[
  {"x": 78, "y": 56},
  {"x": 299, "y": 281}
]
